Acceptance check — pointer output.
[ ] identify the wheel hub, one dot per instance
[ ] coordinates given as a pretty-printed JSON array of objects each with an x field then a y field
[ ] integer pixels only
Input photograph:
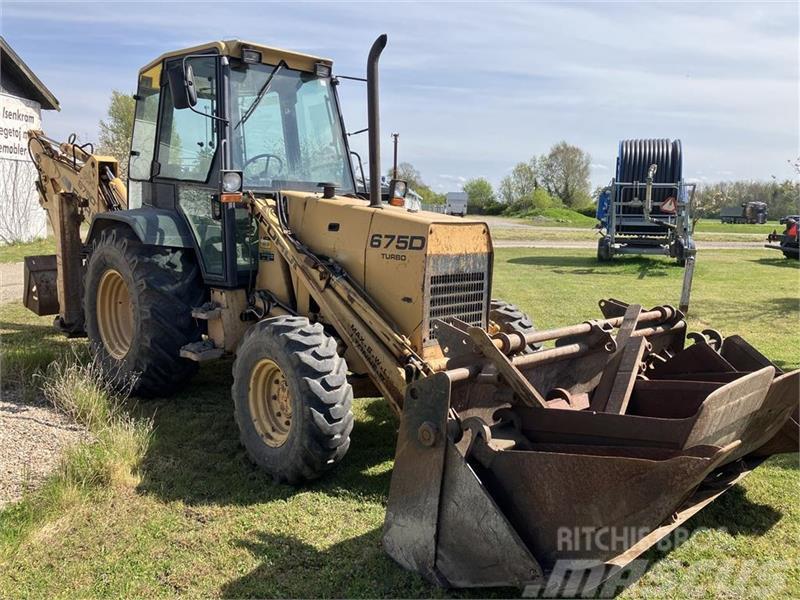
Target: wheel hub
[
  {"x": 270, "y": 403},
  {"x": 114, "y": 314}
]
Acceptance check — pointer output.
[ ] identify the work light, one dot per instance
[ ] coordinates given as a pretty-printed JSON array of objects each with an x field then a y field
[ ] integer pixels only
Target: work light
[
  {"x": 322, "y": 70},
  {"x": 251, "y": 56}
]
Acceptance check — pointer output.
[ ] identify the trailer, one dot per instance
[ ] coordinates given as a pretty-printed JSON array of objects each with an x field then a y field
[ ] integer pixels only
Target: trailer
[{"x": 646, "y": 209}]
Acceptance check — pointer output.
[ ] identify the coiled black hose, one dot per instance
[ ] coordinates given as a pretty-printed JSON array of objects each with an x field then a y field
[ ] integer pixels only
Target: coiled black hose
[{"x": 634, "y": 160}]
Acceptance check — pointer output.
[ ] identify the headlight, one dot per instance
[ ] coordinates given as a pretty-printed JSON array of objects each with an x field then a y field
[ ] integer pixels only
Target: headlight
[{"x": 231, "y": 181}]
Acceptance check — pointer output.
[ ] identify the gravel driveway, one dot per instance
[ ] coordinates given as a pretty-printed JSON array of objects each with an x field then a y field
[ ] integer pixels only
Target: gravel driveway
[
  {"x": 33, "y": 434},
  {"x": 32, "y": 437},
  {"x": 11, "y": 281}
]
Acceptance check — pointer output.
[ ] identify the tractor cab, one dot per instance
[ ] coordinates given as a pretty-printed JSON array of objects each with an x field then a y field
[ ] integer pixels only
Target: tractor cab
[{"x": 216, "y": 120}]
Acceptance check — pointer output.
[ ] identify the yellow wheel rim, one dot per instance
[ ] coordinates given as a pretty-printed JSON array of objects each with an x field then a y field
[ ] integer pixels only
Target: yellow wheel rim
[
  {"x": 114, "y": 314},
  {"x": 270, "y": 403}
]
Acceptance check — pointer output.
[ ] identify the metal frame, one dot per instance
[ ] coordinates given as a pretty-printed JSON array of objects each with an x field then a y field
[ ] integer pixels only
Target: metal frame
[{"x": 678, "y": 227}]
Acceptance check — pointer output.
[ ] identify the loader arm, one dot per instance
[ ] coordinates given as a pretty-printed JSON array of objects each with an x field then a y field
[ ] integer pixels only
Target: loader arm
[
  {"x": 74, "y": 185},
  {"x": 388, "y": 355}
]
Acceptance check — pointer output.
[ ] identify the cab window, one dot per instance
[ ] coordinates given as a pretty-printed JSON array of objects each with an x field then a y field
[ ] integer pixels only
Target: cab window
[{"x": 188, "y": 140}]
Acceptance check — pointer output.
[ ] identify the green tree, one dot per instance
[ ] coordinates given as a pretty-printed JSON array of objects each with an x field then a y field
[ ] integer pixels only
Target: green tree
[
  {"x": 408, "y": 173},
  {"x": 782, "y": 197},
  {"x": 521, "y": 183},
  {"x": 565, "y": 174},
  {"x": 480, "y": 195},
  {"x": 116, "y": 131}
]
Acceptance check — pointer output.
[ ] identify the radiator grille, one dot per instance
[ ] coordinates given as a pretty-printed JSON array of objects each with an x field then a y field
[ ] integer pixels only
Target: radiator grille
[{"x": 459, "y": 295}]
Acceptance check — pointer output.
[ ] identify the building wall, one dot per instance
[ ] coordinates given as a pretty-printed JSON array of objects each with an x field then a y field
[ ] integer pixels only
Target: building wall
[{"x": 21, "y": 217}]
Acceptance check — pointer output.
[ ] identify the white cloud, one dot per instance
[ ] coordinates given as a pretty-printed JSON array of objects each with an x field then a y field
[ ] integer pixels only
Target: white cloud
[{"x": 474, "y": 88}]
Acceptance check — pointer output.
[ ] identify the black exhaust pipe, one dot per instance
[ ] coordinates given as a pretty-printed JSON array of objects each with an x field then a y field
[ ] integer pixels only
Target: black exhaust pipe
[{"x": 374, "y": 121}]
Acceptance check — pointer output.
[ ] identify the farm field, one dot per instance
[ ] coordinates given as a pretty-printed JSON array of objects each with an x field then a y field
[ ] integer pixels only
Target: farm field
[{"x": 200, "y": 520}]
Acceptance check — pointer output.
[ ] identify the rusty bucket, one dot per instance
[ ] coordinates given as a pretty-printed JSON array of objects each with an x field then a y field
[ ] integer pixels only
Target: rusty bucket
[{"x": 590, "y": 449}]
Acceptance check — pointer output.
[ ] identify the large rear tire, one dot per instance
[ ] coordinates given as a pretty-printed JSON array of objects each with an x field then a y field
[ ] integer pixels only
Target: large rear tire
[
  {"x": 291, "y": 397},
  {"x": 138, "y": 309}
]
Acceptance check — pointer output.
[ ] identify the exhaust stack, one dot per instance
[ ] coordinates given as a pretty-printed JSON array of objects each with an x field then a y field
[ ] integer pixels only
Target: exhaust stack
[{"x": 374, "y": 121}]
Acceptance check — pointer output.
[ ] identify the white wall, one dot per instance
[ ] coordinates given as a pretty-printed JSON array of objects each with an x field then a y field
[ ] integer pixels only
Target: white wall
[{"x": 21, "y": 217}]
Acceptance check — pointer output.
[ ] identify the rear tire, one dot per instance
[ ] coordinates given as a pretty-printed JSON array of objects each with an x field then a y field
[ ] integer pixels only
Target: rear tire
[
  {"x": 138, "y": 309},
  {"x": 604, "y": 250},
  {"x": 510, "y": 319},
  {"x": 291, "y": 397},
  {"x": 680, "y": 253}
]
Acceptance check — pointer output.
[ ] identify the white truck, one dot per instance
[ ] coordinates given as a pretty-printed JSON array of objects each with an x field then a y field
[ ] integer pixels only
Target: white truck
[{"x": 456, "y": 203}]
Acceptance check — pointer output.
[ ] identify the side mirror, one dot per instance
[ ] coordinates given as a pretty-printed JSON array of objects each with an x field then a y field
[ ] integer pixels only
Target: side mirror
[{"x": 181, "y": 86}]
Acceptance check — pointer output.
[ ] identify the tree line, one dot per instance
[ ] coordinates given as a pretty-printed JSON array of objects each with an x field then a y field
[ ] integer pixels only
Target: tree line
[
  {"x": 560, "y": 178},
  {"x": 782, "y": 197}
]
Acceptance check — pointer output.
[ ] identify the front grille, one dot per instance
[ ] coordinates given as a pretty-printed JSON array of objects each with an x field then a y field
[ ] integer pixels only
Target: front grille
[{"x": 460, "y": 295}]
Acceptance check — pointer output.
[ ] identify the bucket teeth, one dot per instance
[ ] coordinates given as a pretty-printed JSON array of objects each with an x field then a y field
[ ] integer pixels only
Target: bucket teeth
[{"x": 509, "y": 462}]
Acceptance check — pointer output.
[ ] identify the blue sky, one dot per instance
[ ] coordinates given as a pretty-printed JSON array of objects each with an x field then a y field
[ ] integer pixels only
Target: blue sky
[{"x": 474, "y": 88}]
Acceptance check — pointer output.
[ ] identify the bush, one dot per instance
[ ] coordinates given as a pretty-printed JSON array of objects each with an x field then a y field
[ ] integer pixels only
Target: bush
[
  {"x": 533, "y": 203},
  {"x": 490, "y": 208}
]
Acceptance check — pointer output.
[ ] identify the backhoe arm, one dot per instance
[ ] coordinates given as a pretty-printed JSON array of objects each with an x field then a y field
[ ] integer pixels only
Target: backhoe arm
[{"x": 74, "y": 185}]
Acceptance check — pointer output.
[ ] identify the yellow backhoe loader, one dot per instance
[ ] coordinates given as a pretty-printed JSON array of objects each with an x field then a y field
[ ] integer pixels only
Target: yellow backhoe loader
[{"x": 242, "y": 233}]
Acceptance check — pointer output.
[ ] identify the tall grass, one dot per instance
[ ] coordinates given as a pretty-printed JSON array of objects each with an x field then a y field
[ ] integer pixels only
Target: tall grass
[
  {"x": 111, "y": 456},
  {"x": 119, "y": 443}
]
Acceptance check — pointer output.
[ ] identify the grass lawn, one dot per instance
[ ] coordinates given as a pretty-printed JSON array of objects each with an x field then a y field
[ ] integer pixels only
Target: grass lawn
[
  {"x": 554, "y": 234},
  {"x": 16, "y": 252},
  {"x": 581, "y": 228},
  {"x": 203, "y": 521},
  {"x": 715, "y": 226}
]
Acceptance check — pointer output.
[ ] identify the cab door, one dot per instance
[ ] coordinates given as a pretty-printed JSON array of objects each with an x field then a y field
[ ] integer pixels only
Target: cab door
[{"x": 188, "y": 157}]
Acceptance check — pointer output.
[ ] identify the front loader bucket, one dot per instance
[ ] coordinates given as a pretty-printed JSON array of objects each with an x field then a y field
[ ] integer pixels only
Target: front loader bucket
[{"x": 590, "y": 451}]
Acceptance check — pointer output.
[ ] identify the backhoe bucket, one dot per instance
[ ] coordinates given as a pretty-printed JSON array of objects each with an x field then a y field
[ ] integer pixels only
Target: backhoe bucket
[
  {"x": 41, "y": 288},
  {"x": 512, "y": 465}
]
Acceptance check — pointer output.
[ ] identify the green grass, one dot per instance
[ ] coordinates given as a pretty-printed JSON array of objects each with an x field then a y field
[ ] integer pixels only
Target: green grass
[
  {"x": 705, "y": 229},
  {"x": 715, "y": 226},
  {"x": 11, "y": 253},
  {"x": 552, "y": 234},
  {"x": 203, "y": 521},
  {"x": 559, "y": 217},
  {"x": 107, "y": 460}
]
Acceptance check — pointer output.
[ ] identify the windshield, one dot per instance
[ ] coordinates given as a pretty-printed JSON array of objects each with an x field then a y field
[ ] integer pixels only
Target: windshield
[{"x": 292, "y": 137}]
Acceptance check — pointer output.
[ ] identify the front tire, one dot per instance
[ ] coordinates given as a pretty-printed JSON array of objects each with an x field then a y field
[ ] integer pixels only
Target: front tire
[
  {"x": 291, "y": 397},
  {"x": 138, "y": 309}
]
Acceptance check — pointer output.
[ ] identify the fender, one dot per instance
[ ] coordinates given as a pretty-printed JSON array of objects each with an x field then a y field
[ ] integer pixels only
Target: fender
[{"x": 153, "y": 226}]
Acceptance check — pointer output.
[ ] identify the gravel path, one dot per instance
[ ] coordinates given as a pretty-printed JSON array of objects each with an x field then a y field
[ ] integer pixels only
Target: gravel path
[
  {"x": 32, "y": 437},
  {"x": 593, "y": 244},
  {"x": 11, "y": 281}
]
